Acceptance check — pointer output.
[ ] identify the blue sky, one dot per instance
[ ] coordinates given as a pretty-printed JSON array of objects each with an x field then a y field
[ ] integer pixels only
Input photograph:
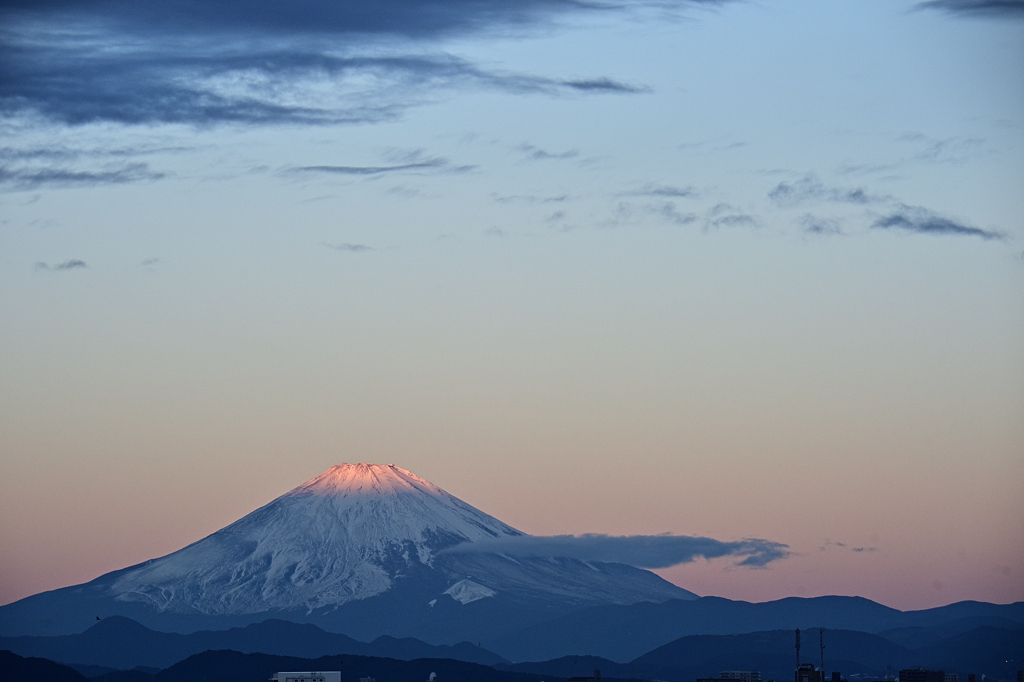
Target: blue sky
[{"x": 594, "y": 269}]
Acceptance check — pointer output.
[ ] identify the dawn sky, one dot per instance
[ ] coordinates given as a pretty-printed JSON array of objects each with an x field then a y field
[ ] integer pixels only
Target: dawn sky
[{"x": 728, "y": 269}]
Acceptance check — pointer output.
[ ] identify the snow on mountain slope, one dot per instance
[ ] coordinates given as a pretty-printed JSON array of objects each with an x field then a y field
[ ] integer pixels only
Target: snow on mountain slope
[
  {"x": 466, "y": 591},
  {"x": 329, "y": 541}
]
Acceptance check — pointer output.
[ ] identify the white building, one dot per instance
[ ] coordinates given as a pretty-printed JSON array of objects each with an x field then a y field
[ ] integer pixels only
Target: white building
[
  {"x": 312, "y": 676},
  {"x": 743, "y": 675}
]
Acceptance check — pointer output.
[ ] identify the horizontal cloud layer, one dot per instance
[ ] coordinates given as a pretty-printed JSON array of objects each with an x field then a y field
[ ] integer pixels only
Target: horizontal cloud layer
[
  {"x": 93, "y": 78},
  {"x": 410, "y": 18},
  {"x": 259, "y": 61},
  {"x": 642, "y": 551}
]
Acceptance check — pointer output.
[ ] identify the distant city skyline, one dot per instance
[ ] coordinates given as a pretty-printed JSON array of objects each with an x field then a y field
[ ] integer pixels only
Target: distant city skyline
[{"x": 713, "y": 268}]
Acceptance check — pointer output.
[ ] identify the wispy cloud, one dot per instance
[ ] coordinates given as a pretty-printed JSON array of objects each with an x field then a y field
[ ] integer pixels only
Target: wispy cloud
[
  {"x": 829, "y": 544},
  {"x": 73, "y": 264},
  {"x": 351, "y": 248},
  {"x": 69, "y": 153},
  {"x": 603, "y": 85},
  {"x": 535, "y": 153},
  {"x": 627, "y": 212},
  {"x": 724, "y": 215},
  {"x": 954, "y": 151},
  {"x": 664, "y": 191},
  {"x": 669, "y": 212},
  {"x": 978, "y": 7},
  {"x": 809, "y": 188},
  {"x": 813, "y": 224},
  {"x": 30, "y": 178},
  {"x": 951, "y": 150},
  {"x": 528, "y": 199},
  {"x": 923, "y": 221},
  {"x": 371, "y": 170},
  {"x": 642, "y": 551}
]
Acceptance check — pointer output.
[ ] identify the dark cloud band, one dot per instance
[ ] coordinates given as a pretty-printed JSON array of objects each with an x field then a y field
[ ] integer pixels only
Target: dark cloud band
[
  {"x": 229, "y": 61},
  {"x": 210, "y": 81},
  {"x": 990, "y": 7},
  {"x": 408, "y": 18}
]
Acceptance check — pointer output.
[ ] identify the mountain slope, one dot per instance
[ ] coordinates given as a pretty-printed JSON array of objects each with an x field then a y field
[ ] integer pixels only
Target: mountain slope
[
  {"x": 325, "y": 543},
  {"x": 357, "y": 550}
]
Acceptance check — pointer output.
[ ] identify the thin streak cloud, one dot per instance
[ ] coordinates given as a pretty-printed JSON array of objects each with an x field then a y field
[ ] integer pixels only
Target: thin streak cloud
[
  {"x": 642, "y": 551},
  {"x": 664, "y": 191},
  {"x": 350, "y": 248},
  {"x": 922, "y": 221},
  {"x": 73, "y": 264},
  {"x": 535, "y": 153},
  {"x": 372, "y": 170},
  {"x": 603, "y": 85},
  {"x": 34, "y": 178}
]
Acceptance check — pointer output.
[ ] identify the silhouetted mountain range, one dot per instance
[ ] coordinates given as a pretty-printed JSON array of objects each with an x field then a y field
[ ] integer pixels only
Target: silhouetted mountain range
[
  {"x": 994, "y": 652},
  {"x": 622, "y": 633},
  {"x": 121, "y": 643},
  {"x": 14, "y": 668},
  {"x": 618, "y": 635},
  {"x": 234, "y": 666},
  {"x": 990, "y": 651}
]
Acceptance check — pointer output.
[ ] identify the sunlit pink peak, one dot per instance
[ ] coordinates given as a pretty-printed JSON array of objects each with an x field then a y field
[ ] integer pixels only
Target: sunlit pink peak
[{"x": 345, "y": 479}]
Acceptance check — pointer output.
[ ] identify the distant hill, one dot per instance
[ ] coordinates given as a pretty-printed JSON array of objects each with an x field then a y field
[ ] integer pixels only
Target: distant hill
[
  {"x": 622, "y": 633},
  {"x": 122, "y": 643},
  {"x": 689, "y": 658},
  {"x": 232, "y": 666},
  {"x": 14, "y": 668},
  {"x": 991, "y": 652},
  {"x": 987, "y": 651}
]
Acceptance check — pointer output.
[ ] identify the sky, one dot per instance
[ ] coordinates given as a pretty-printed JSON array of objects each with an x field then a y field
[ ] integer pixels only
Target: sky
[{"x": 727, "y": 269}]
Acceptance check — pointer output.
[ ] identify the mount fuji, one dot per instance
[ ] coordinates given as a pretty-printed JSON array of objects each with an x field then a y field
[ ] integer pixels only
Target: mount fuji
[{"x": 359, "y": 550}]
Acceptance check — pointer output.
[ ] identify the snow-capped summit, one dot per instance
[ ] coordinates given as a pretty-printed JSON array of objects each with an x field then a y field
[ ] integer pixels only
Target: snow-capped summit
[
  {"x": 329, "y": 541},
  {"x": 367, "y": 478},
  {"x": 359, "y": 549}
]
